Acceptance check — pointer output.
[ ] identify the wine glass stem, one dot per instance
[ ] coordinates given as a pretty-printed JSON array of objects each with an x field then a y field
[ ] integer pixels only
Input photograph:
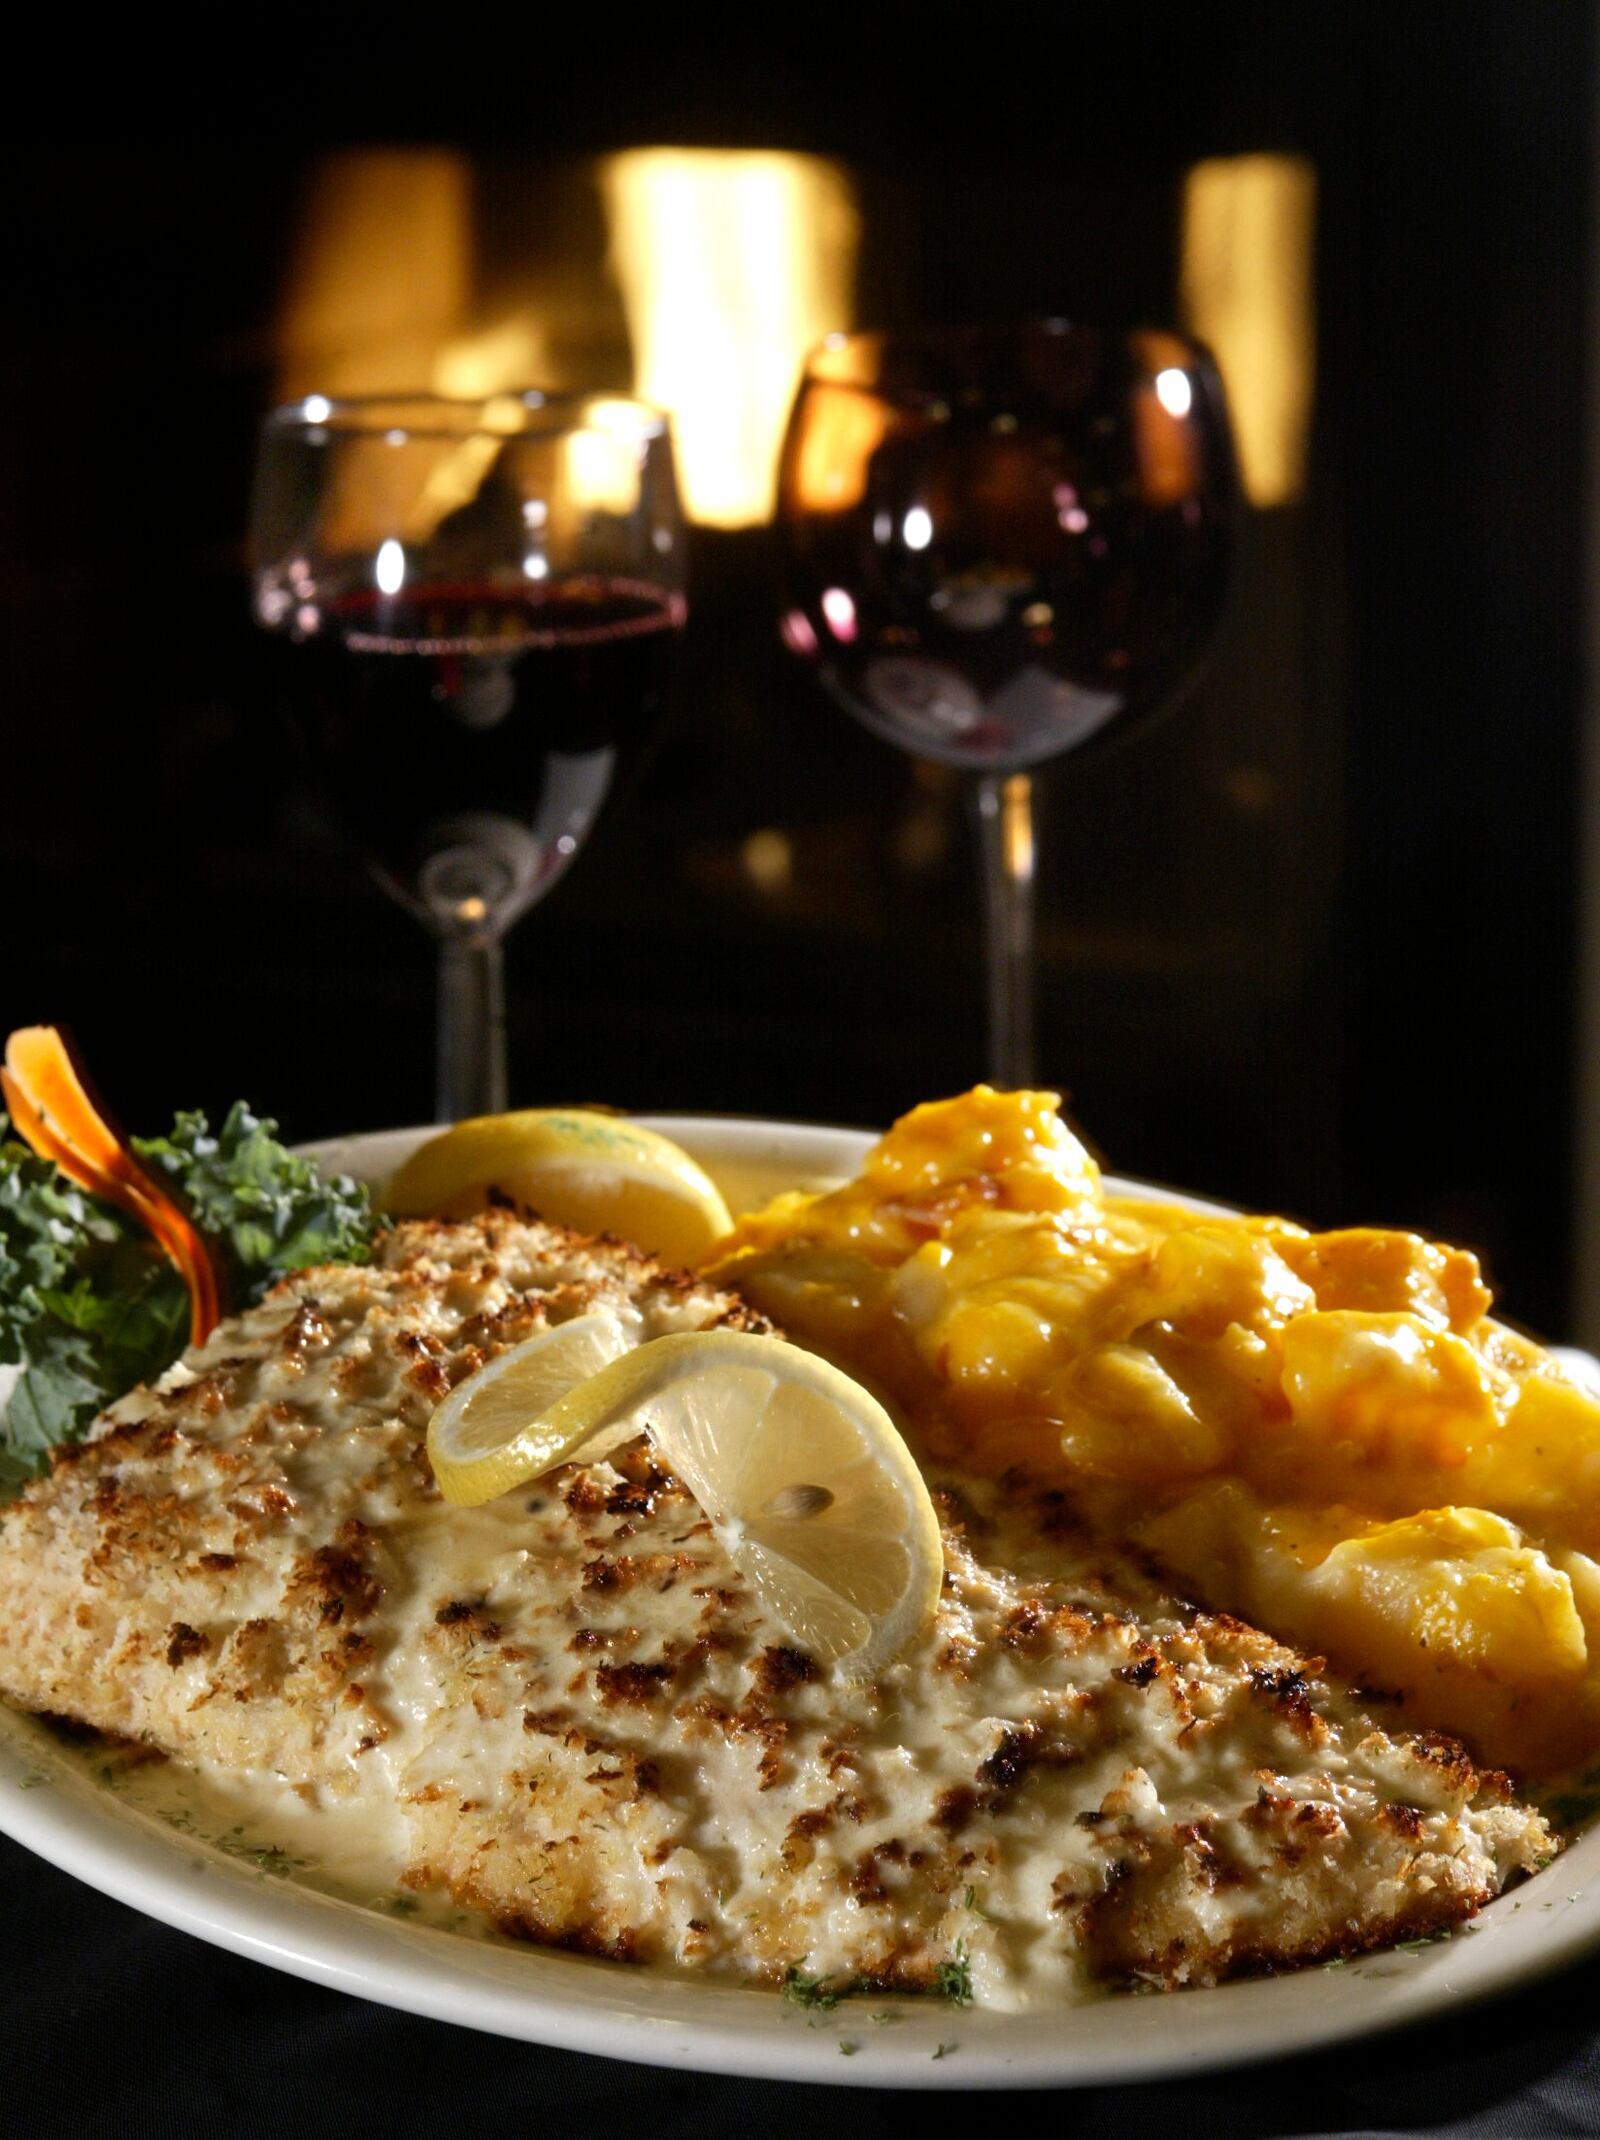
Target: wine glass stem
[
  {"x": 1005, "y": 839},
  {"x": 472, "y": 1028}
]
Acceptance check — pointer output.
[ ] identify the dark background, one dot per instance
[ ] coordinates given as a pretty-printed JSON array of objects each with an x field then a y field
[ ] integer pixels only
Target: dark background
[{"x": 1309, "y": 944}]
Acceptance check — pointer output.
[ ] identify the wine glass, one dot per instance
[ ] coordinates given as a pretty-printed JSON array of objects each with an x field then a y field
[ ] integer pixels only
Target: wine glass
[
  {"x": 480, "y": 601},
  {"x": 1004, "y": 543}
]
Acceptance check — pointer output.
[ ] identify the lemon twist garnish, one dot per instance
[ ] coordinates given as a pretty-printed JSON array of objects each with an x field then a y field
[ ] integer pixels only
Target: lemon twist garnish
[
  {"x": 805, "y": 1479},
  {"x": 490, "y": 1435},
  {"x": 595, "y": 1172}
]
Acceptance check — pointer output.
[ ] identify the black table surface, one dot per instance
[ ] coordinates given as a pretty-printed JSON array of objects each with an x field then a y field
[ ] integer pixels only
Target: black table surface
[{"x": 115, "y": 2026}]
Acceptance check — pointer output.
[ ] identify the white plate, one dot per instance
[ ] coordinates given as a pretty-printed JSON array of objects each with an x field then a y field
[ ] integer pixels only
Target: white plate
[{"x": 50, "y": 1803}]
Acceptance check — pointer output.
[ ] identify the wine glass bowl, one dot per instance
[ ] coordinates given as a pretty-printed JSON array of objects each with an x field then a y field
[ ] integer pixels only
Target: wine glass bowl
[
  {"x": 480, "y": 603},
  {"x": 1002, "y": 544}
]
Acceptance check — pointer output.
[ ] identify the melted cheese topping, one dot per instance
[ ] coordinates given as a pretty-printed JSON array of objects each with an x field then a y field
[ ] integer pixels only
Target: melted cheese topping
[{"x": 1326, "y": 1432}]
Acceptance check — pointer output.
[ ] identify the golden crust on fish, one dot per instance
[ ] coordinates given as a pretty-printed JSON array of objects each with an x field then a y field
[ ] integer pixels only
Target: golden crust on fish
[{"x": 580, "y": 1721}]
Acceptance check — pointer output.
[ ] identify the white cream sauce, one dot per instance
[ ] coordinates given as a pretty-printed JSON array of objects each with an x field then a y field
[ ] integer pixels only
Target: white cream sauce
[{"x": 354, "y": 1849}]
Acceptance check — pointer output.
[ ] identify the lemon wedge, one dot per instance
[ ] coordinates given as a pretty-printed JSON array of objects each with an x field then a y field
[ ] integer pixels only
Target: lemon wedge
[
  {"x": 489, "y": 1434},
  {"x": 595, "y": 1172},
  {"x": 804, "y": 1476}
]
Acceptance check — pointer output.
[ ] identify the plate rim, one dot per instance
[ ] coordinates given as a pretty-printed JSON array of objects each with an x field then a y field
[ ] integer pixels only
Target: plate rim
[{"x": 688, "y": 2023}]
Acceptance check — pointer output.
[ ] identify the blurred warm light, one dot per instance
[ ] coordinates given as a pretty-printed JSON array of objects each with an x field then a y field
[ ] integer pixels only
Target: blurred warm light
[
  {"x": 380, "y": 291},
  {"x": 732, "y": 264},
  {"x": 1168, "y": 449},
  {"x": 1248, "y": 227},
  {"x": 381, "y": 273},
  {"x": 1016, "y": 827},
  {"x": 769, "y": 858},
  {"x": 603, "y": 470},
  {"x": 379, "y": 300},
  {"x": 843, "y": 430},
  {"x": 489, "y": 360}
]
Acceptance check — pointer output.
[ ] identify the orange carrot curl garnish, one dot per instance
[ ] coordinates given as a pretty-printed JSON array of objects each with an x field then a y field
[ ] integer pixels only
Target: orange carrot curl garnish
[{"x": 55, "y": 1115}]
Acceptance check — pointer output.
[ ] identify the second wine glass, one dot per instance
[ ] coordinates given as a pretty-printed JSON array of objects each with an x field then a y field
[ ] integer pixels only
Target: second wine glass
[
  {"x": 481, "y": 601},
  {"x": 1005, "y": 543}
]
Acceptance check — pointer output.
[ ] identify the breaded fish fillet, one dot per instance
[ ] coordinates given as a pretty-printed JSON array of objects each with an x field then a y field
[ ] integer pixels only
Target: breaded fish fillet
[{"x": 580, "y": 1721}]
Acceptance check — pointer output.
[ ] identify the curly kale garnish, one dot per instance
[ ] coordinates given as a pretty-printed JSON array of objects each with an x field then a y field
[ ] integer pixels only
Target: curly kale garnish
[
  {"x": 90, "y": 1307},
  {"x": 263, "y": 1212}
]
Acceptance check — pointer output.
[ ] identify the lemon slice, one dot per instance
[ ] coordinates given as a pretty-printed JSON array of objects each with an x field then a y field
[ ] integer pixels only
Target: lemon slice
[
  {"x": 594, "y": 1172},
  {"x": 489, "y": 1434},
  {"x": 803, "y": 1474}
]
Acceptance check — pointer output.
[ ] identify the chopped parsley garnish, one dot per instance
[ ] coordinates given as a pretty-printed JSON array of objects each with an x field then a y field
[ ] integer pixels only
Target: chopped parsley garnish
[
  {"x": 954, "y": 1978},
  {"x": 266, "y": 1858},
  {"x": 815, "y": 1992}
]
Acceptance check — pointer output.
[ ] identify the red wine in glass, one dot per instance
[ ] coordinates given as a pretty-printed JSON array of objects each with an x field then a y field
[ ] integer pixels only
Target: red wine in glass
[
  {"x": 470, "y": 736},
  {"x": 478, "y": 603},
  {"x": 1004, "y": 544}
]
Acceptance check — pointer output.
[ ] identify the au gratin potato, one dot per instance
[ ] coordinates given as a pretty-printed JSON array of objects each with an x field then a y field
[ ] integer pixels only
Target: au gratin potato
[{"x": 1326, "y": 1433}]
